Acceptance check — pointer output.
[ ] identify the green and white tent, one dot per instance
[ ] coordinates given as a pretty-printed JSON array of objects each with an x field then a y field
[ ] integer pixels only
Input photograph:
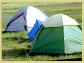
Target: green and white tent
[{"x": 59, "y": 34}]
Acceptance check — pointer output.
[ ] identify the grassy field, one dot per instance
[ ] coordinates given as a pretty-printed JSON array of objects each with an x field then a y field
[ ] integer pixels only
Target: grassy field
[{"x": 15, "y": 45}]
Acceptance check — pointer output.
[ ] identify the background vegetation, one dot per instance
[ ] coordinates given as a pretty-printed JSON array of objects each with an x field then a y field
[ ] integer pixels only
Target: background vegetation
[{"x": 15, "y": 45}]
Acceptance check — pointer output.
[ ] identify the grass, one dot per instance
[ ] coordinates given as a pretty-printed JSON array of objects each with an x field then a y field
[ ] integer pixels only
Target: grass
[{"x": 15, "y": 45}]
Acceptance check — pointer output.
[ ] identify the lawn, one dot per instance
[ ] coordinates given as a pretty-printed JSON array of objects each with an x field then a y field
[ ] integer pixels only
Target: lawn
[{"x": 15, "y": 45}]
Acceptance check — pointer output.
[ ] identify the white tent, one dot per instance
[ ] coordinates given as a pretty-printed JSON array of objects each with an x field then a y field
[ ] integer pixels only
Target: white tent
[
  {"x": 25, "y": 19},
  {"x": 59, "y": 20}
]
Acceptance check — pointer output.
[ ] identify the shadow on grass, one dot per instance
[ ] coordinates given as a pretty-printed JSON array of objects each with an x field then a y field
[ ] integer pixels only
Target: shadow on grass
[
  {"x": 19, "y": 39},
  {"x": 54, "y": 54},
  {"x": 14, "y": 53},
  {"x": 9, "y": 32}
]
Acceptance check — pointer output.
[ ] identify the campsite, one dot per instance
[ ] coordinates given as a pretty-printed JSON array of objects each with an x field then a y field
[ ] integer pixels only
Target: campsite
[{"x": 16, "y": 46}]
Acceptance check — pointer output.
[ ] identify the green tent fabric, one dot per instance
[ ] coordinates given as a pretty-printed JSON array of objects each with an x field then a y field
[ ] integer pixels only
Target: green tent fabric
[{"x": 58, "y": 36}]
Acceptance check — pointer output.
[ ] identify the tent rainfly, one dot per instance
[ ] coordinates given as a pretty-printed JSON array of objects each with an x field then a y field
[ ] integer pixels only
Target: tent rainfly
[
  {"x": 25, "y": 19},
  {"x": 35, "y": 28},
  {"x": 59, "y": 34}
]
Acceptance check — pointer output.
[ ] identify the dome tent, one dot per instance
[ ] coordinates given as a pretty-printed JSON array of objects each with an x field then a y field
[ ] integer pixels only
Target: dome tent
[
  {"x": 25, "y": 19},
  {"x": 58, "y": 34}
]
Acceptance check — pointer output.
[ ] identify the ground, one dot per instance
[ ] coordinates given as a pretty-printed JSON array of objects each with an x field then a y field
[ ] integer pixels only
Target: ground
[{"x": 15, "y": 45}]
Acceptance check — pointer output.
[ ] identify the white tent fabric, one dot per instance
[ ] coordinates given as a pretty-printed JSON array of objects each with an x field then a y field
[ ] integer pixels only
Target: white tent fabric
[
  {"x": 32, "y": 14},
  {"x": 59, "y": 20},
  {"x": 25, "y": 17}
]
